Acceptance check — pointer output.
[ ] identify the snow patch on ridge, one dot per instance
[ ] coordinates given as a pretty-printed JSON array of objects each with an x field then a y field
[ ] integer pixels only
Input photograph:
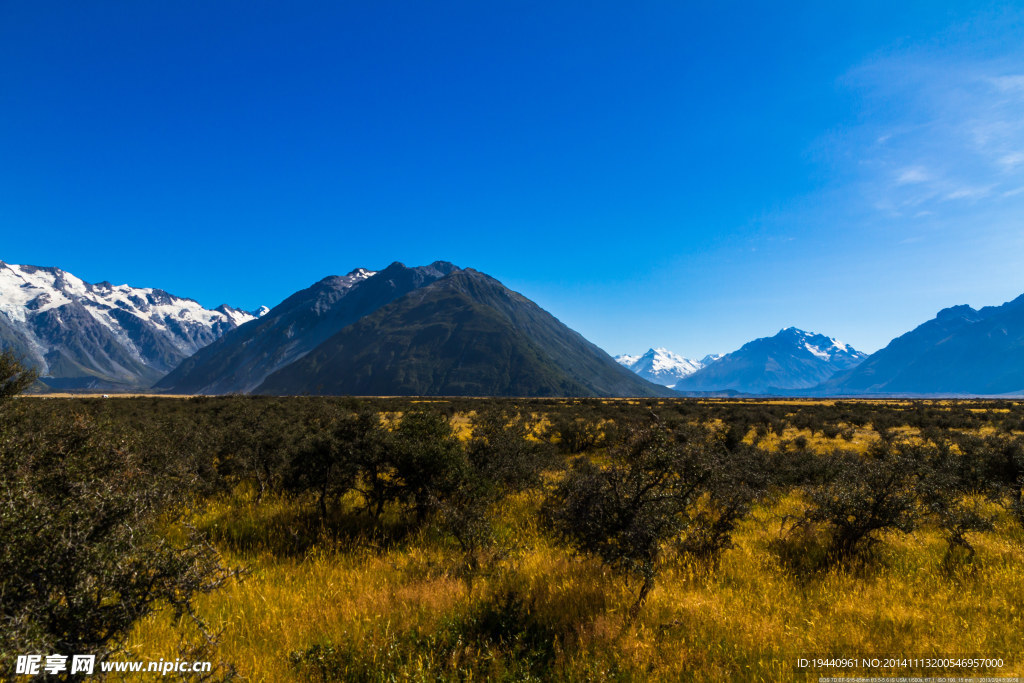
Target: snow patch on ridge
[{"x": 824, "y": 355}]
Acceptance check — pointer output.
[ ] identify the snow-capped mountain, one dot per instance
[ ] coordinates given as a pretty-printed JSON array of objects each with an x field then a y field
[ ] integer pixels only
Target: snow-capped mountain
[
  {"x": 661, "y": 366},
  {"x": 792, "y": 359},
  {"x": 83, "y": 335},
  {"x": 626, "y": 359}
]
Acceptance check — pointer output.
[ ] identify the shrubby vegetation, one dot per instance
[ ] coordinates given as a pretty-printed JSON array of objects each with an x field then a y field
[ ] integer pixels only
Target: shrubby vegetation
[
  {"x": 84, "y": 553},
  {"x": 115, "y": 512},
  {"x": 682, "y": 486}
]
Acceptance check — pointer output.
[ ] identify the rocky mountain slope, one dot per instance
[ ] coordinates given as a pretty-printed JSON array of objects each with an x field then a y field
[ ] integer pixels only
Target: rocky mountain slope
[
  {"x": 101, "y": 336},
  {"x": 464, "y": 334},
  {"x": 791, "y": 360}
]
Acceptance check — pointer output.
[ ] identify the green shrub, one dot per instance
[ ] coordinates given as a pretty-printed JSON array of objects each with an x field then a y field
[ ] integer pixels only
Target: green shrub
[{"x": 660, "y": 486}]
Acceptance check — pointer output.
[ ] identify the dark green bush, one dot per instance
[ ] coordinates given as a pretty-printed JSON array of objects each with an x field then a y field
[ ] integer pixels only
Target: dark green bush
[
  {"x": 575, "y": 434},
  {"x": 860, "y": 496},
  {"x": 84, "y": 556},
  {"x": 660, "y": 486}
]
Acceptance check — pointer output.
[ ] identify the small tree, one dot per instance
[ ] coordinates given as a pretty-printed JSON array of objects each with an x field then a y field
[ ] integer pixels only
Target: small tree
[
  {"x": 500, "y": 459},
  {"x": 326, "y": 459},
  {"x": 15, "y": 376},
  {"x": 860, "y": 496},
  {"x": 426, "y": 459},
  {"x": 949, "y": 488},
  {"x": 624, "y": 513},
  {"x": 998, "y": 460},
  {"x": 733, "y": 479},
  {"x": 256, "y": 443}
]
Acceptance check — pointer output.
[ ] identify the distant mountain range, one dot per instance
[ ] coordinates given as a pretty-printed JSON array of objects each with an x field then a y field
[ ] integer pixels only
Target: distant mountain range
[
  {"x": 444, "y": 330},
  {"x": 661, "y": 366},
  {"x": 102, "y": 336},
  {"x": 792, "y": 359}
]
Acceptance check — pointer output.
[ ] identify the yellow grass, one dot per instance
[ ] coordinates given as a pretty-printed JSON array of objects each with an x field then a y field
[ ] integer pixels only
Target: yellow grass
[{"x": 749, "y": 619}]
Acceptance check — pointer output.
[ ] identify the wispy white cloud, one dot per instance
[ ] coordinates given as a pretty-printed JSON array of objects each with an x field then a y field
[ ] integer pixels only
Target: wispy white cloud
[
  {"x": 1012, "y": 160},
  {"x": 969, "y": 193},
  {"x": 1011, "y": 83},
  {"x": 935, "y": 132},
  {"x": 914, "y": 174}
]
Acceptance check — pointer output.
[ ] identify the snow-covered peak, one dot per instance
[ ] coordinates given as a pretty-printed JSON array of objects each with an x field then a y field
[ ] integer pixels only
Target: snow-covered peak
[
  {"x": 662, "y": 360},
  {"x": 841, "y": 346},
  {"x": 261, "y": 311},
  {"x": 236, "y": 315},
  {"x": 151, "y": 326},
  {"x": 28, "y": 288},
  {"x": 819, "y": 345},
  {"x": 345, "y": 282},
  {"x": 814, "y": 350},
  {"x": 359, "y": 274},
  {"x": 661, "y": 366}
]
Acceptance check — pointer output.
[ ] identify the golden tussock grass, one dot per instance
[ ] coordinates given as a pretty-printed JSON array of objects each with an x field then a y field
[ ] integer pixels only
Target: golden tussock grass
[{"x": 401, "y": 607}]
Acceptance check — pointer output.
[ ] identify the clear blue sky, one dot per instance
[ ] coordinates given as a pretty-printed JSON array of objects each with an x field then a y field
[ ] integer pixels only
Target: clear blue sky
[{"x": 689, "y": 175}]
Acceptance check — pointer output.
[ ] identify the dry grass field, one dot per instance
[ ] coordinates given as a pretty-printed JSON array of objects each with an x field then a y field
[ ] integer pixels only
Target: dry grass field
[
  {"x": 343, "y": 599},
  {"x": 397, "y": 539},
  {"x": 404, "y": 611}
]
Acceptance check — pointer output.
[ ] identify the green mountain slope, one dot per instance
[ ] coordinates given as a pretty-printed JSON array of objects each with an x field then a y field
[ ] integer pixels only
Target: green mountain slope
[
  {"x": 466, "y": 335},
  {"x": 239, "y": 361}
]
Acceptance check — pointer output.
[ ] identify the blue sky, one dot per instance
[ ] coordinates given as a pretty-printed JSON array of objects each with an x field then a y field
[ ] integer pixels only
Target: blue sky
[{"x": 654, "y": 174}]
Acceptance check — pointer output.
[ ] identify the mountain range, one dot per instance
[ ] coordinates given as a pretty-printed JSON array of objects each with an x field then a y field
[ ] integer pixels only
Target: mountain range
[
  {"x": 960, "y": 351},
  {"x": 444, "y": 330},
  {"x": 102, "y": 336}
]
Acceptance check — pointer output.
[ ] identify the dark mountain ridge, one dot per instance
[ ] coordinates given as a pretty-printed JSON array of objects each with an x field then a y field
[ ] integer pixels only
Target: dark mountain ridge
[
  {"x": 464, "y": 334},
  {"x": 961, "y": 351},
  {"x": 239, "y": 361}
]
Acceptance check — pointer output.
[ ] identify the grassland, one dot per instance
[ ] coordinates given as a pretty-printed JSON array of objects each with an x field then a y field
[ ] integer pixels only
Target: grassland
[
  {"x": 396, "y": 603},
  {"x": 351, "y": 596},
  {"x": 403, "y": 611}
]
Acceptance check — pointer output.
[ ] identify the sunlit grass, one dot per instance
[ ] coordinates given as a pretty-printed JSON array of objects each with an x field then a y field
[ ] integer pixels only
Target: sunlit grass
[{"x": 398, "y": 603}]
